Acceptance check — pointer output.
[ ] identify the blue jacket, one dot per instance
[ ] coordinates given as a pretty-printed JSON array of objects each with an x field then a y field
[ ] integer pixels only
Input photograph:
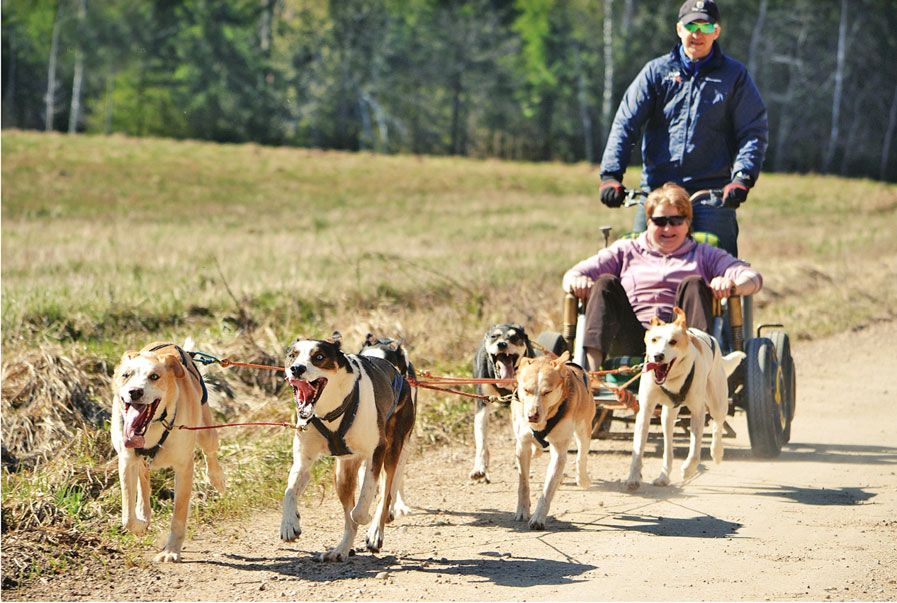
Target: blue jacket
[{"x": 701, "y": 131}]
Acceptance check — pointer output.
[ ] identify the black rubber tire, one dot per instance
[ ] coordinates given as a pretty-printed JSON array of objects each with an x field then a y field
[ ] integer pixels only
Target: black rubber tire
[
  {"x": 765, "y": 414},
  {"x": 553, "y": 341},
  {"x": 786, "y": 361}
]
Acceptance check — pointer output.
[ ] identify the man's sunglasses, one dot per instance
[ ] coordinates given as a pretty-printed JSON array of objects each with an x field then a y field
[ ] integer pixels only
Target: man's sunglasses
[
  {"x": 662, "y": 221},
  {"x": 705, "y": 28}
]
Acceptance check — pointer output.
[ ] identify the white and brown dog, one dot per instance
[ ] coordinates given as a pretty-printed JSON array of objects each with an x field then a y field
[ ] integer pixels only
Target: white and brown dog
[
  {"x": 553, "y": 404},
  {"x": 358, "y": 409},
  {"x": 393, "y": 351},
  {"x": 156, "y": 390},
  {"x": 684, "y": 367},
  {"x": 496, "y": 358}
]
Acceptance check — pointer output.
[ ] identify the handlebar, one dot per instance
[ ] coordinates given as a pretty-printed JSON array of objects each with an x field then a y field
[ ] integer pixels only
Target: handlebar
[{"x": 711, "y": 197}]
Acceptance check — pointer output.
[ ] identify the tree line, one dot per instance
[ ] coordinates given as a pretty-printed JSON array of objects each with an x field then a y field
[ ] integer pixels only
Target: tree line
[{"x": 534, "y": 80}]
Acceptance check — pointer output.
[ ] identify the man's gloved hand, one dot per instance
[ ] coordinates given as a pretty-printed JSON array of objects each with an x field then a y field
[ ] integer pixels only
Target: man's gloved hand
[
  {"x": 734, "y": 194},
  {"x": 612, "y": 192}
]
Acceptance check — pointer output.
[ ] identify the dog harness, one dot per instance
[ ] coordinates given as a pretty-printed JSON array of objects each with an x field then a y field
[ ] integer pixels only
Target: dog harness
[
  {"x": 191, "y": 368},
  {"x": 679, "y": 397},
  {"x": 549, "y": 425},
  {"x": 336, "y": 441}
]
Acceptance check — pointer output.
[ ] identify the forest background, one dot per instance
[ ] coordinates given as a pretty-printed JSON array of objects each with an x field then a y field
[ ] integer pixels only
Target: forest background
[{"x": 535, "y": 80}]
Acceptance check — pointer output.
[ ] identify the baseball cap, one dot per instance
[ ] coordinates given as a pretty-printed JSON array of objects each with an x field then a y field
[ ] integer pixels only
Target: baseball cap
[{"x": 699, "y": 10}]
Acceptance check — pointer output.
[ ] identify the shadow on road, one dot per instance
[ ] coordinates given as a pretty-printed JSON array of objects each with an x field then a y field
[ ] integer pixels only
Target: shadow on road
[
  {"x": 820, "y": 453},
  {"x": 701, "y": 526},
  {"x": 843, "y": 496},
  {"x": 503, "y": 570}
]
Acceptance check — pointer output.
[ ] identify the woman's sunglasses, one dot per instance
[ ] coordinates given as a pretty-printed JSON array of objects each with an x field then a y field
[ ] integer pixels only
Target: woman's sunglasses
[
  {"x": 704, "y": 28},
  {"x": 662, "y": 221}
]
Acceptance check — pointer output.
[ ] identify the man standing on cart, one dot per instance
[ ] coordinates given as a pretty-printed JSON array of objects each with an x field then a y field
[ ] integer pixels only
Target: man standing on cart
[{"x": 705, "y": 125}]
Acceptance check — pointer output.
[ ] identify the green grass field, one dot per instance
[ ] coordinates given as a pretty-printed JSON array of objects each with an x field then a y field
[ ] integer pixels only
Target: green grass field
[{"x": 109, "y": 243}]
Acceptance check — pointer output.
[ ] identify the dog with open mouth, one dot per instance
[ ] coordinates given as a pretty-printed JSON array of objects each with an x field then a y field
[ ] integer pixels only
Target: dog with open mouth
[
  {"x": 552, "y": 405},
  {"x": 684, "y": 367},
  {"x": 358, "y": 409},
  {"x": 503, "y": 345},
  {"x": 393, "y": 351},
  {"x": 155, "y": 391}
]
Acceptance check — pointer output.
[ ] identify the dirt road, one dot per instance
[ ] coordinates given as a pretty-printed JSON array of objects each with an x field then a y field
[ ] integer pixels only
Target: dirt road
[{"x": 818, "y": 523}]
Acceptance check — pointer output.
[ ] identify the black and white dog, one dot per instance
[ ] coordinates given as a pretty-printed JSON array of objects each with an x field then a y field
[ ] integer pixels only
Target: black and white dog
[
  {"x": 358, "y": 409},
  {"x": 392, "y": 350},
  {"x": 496, "y": 358}
]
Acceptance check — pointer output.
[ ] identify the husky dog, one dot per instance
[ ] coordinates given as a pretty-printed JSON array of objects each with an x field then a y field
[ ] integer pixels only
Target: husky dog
[
  {"x": 502, "y": 346},
  {"x": 684, "y": 367}
]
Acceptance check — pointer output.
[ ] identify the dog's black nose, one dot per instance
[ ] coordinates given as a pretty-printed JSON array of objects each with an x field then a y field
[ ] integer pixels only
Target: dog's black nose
[
  {"x": 135, "y": 394},
  {"x": 658, "y": 357},
  {"x": 502, "y": 345},
  {"x": 297, "y": 370}
]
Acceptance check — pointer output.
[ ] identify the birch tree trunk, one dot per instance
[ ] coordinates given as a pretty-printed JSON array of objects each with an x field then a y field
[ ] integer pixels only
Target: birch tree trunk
[
  {"x": 607, "y": 96},
  {"x": 78, "y": 78},
  {"x": 889, "y": 137},
  {"x": 756, "y": 38},
  {"x": 836, "y": 98},
  {"x": 50, "y": 97}
]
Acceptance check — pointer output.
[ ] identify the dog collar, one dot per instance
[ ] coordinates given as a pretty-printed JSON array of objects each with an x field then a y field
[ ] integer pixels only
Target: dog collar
[{"x": 679, "y": 397}]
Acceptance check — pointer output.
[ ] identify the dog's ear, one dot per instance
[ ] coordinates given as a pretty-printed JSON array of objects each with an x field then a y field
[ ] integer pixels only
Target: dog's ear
[
  {"x": 656, "y": 322},
  {"x": 336, "y": 338},
  {"x": 128, "y": 355},
  {"x": 680, "y": 317},
  {"x": 394, "y": 345},
  {"x": 523, "y": 361},
  {"x": 520, "y": 330},
  {"x": 173, "y": 364},
  {"x": 562, "y": 359},
  {"x": 369, "y": 339}
]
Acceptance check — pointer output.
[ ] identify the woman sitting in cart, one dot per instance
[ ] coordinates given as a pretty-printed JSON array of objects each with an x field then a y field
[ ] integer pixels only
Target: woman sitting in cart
[{"x": 633, "y": 280}]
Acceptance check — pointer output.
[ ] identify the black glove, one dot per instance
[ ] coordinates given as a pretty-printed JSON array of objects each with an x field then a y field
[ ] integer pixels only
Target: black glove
[
  {"x": 612, "y": 192},
  {"x": 735, "y": 193}
]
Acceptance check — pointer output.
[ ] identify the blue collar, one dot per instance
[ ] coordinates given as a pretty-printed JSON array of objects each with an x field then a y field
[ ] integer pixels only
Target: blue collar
[{"x": 692, "y": 68}]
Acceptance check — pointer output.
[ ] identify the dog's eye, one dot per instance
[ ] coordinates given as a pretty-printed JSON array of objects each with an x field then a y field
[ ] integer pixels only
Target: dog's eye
[
  {"x": 318, "y": 357},
  {"x": 672, "y": 342},
  {"x": 154, "y": 376},
  {"x": 126, "y": 375}
]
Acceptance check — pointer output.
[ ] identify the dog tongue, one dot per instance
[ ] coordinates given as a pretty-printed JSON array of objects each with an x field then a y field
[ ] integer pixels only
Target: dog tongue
[
  {"x": 505, "y": 367},
  {"x": 135, "y": 420},
  {"x": 303, "y": 391}
]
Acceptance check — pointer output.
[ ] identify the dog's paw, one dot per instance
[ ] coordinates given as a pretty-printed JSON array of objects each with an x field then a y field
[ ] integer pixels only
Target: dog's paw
[
  {"x": 396, "y": 510},
  {"x": 521, "y": 516},
  {"x": 536, "y": 523},
  {"x": 137, "y": 527},
  {"x": 289, "y": 528},
  {"x": 584, "y": 482},
  {"x": 374, "y": 541},
  {"x": 479, "y": 475},
  {"x": 689, "y": 470},
  {"x": 216, "y": 478},
  {"x": 334, "y": 554},
  {"x": 662, "y": 480},
  {"x": 633, "y": 483},
  {"x": 167, "y": 556}
]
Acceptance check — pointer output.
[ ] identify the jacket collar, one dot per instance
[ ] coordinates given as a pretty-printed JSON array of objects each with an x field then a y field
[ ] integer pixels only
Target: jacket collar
[
  {"x": 687, "y": 246},
  {"x": 689, "y": 67}
]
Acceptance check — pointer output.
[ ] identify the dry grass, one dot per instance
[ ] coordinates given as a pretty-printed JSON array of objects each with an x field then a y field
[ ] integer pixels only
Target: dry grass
[{"x": 109, "y": 243}]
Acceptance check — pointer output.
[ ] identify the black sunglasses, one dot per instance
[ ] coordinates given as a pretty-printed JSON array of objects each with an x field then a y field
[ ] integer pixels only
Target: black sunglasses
[{"x": 662, "y": 221}]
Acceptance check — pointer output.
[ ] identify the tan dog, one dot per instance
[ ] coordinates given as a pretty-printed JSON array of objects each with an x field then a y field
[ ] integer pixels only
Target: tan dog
[
  {"x": 683, "y": 367},
  {"x": 553, "y": 404},
  {"x": 156, "y": 390}
]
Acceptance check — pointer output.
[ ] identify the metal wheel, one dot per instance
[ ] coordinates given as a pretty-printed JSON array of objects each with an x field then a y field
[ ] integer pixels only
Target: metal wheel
[
  {"x": 764, "y": 385},
  {"x": 786, "y": 362}
]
